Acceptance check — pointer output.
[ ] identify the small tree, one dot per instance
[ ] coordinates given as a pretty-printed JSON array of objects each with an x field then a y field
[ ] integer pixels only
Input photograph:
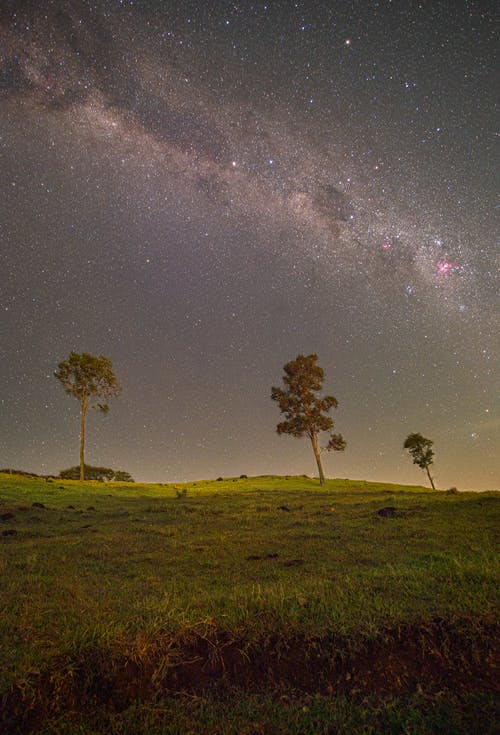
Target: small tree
[
  {"x": 89, "y": 379},
  {"x": 305, "y": 411},
  {"x": 122, "y": 476},
  {"x": 420, "y": 449}
]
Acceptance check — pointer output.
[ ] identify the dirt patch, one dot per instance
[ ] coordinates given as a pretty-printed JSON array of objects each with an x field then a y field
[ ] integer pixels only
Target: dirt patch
[
  {"x": 388, "y": 512},
  {"x": 400, "y": 662}
]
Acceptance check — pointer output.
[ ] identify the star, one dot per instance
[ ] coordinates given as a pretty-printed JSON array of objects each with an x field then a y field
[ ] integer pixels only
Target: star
[{"x": 263, "y": 173}]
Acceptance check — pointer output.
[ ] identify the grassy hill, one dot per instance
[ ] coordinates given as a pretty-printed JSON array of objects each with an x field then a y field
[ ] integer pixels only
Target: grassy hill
[{"x": 254, "y": 605}]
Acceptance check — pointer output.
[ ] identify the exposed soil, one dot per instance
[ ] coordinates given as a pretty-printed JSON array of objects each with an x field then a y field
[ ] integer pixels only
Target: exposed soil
[{"x": 437, "y": 657}]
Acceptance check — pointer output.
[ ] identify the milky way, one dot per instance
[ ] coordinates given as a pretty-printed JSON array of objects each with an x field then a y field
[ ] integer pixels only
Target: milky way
[{"x": 203, "y": 193}]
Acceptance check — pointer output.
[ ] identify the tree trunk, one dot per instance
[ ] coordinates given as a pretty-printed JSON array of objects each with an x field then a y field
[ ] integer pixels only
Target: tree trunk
[
  {"x": 317, "y": 454},
  {"x": 82, "y": 441},
  {"x": 430, "y": 478}
]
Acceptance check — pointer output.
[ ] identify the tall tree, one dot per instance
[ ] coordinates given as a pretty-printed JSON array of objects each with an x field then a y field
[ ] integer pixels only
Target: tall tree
[
  {"x": 89, "y": 379},
  {"x": 305, "y": 411},
  {"x": 420, "y": 449}
]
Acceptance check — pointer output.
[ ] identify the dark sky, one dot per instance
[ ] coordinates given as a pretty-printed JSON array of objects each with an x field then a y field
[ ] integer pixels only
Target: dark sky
[{"x": 203, "y": 190}]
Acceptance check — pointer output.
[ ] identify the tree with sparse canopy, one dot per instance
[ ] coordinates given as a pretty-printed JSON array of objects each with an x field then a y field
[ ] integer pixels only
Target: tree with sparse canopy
[
  {"x": 89, "y": 379},
  {"x": 305, "y": 411},
  {"x": 420, "y": 449}
]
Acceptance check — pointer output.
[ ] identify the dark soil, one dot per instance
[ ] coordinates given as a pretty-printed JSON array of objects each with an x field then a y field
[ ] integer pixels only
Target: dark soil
[
  {"x": 435, "y": 658},
  {"x": 388, "y": 512}
]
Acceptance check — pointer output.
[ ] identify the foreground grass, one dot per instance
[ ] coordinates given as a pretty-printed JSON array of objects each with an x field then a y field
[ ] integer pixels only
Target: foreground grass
[
  {"x": 140, "y": 574},
  {"x": 265, "y": 715}
]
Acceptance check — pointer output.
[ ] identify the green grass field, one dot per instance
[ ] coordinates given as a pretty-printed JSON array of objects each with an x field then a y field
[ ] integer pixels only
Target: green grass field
[{"x": 259, "y": 605}]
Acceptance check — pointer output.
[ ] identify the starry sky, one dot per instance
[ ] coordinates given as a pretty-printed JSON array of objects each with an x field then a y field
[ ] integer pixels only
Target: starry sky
[{"x": 203, "y": 190}]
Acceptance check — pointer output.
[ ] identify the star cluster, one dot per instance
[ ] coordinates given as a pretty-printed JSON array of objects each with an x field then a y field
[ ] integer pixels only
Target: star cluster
[{"x": 202, "y": 191}]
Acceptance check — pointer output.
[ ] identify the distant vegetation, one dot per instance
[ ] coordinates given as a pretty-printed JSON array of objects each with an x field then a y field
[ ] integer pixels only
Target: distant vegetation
[
  {"x": 96, "y": 473},
  {"x": 91, "y": 379},
  {"x": 23, "y": 473}
]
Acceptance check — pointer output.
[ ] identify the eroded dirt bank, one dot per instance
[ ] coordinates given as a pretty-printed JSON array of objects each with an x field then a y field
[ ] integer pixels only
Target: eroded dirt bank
[{"x": 431, "y": 658}]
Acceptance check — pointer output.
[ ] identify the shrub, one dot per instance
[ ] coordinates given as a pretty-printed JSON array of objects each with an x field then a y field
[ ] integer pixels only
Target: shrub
[{"x": 96, "y": 473}]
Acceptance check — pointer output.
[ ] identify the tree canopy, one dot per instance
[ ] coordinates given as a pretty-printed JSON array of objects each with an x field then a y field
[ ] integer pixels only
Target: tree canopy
[{"x": 87, "y": 377}]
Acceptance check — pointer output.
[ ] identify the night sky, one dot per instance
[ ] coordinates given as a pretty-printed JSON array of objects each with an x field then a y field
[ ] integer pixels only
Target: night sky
[{"x": 203, "y": 190}]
